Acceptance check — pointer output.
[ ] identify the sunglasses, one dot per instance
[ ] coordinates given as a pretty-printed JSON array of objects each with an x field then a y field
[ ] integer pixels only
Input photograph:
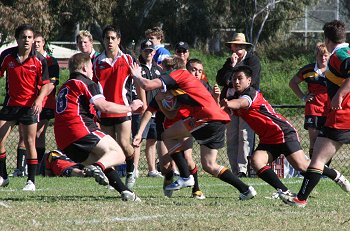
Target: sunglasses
[{"x": 181, "y": 51}]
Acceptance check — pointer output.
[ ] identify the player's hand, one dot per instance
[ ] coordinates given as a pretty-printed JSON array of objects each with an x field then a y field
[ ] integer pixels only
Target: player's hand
[
  {"x": 336, "y": 102},
  {"x": 137, "y": 140},
  {"x": 309, "y": 97},
  {"x": 37, "y": 107},
  {"x": 136, "y": 104},
  {"x": 135, "y": 70},
  {"x": 234, "y": 59},
  {"x": 216, "y": 90}
]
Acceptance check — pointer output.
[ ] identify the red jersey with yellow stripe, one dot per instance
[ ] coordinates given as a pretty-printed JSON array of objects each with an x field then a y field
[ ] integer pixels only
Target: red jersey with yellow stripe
[
  {"x": 204, "y": 108},
  {"x": 338, "y": 70},
  {"x": 316, "y": 84},
  {"x": 114, "y": 79}
]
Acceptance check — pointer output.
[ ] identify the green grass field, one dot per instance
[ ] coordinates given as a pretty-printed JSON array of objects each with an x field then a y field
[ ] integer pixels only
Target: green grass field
[{"x": 81, "y": 204}]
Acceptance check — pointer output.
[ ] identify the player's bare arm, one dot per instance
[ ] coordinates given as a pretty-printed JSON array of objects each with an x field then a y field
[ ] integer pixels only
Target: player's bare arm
[
  {"x": 109, "y": 107},
  {"x": 143, "y": 123},
  {"x": 339, "y": 96},
  {"x": 144, "y": 83},
  {"x": 44, "y": 91},
  {"x": 235, "y": 104}
]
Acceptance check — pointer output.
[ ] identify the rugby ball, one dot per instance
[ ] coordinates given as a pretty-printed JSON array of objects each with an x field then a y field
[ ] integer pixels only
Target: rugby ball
[{"x": 170, "y": 103}]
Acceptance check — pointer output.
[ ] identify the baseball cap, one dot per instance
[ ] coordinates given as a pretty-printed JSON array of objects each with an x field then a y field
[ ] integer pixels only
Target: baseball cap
[
  {"x": 147, "y": 45},
  {"x": 182, "y": 45}
]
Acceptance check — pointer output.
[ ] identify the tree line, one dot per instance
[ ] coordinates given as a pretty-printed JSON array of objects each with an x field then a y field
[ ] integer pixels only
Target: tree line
[{"x": 202, "y": 23}]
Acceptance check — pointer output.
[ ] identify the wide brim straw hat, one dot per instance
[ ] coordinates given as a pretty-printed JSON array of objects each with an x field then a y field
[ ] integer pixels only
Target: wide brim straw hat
[{"x": 238, "y": 38}]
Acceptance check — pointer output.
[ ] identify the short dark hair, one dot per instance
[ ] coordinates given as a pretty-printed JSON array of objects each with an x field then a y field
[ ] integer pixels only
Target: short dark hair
[
  {"x": 191, "y": 61},
  {"x": 245, "y": 69},
  {"x": 77, "y": 61},
  {"x": 155, "y": 31},
  {"x": 112, "y": 28},
  {"x": 22, "y": 28},
  {"x": 335, "y": 31}
]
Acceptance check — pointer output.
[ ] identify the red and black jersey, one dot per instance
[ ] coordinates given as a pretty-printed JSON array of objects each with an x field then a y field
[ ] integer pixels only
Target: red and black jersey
[
  {"x": 114, "y": 79},
  {"x": 73, "y": 119},
  {"x": 338, "y": 70},
  {"x": 271, "y": 127},
  {"x": 204, "y": 107},
  {"x": 316, "y": 84},
  {"x": 54, "y": 72},
  {"x": 23, "y": 79}
]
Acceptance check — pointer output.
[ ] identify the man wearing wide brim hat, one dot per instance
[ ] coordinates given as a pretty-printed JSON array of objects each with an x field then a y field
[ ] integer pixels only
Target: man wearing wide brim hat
[
  {"x": 239, "y": 136},
  {"x": 238, "y": 38}
]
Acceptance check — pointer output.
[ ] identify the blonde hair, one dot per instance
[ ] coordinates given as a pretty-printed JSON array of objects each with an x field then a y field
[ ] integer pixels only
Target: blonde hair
[
  {"x": 321, "y": 48},
  {"x": 82, "y": 34}
]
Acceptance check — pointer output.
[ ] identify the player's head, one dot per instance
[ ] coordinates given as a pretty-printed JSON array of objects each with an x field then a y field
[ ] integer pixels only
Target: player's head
[
  {"x": 111, "y": 38},
  {"x": 195, "y": 66},
  {"x": 84, "y": 41},
  {"x": 155, "y": 34},
  {"x": 81, "y": 62},
  {"x": 22, "y": 28},
  {"x": 182, "y": 50},
  {"x": 322, "y": 53},
  {"x": 24, "y": 35},
  {"x": 242, "y": 78},
  {"x": 173, "y": 63},
  {"x": 147, "y": 50},
  {"x": 334, "y": 31},
  {"x": 39, "y": 42}
]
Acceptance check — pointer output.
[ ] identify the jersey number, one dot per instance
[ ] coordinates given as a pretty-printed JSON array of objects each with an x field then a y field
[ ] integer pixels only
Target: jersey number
[{"x": 61, "y": 103}]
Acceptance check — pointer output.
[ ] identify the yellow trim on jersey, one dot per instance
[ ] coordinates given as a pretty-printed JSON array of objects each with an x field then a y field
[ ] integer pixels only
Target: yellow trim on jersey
[
  {"x": 177, "y": 92},
  {"x": 310, "y": 74},
  {"x": 334, "y": 79},
  {"x": 53, "y": 78}
]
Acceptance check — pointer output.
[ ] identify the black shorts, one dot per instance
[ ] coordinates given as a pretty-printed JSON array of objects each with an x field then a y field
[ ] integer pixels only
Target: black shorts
[
  {"x": 314, "y": 122},
  {"x": 341, "y": 136},
  {"x": 211, "y": 135},
  {"x": 23, "y": 115},
  {"x": 278, "y": 149},
  {"x": 47, "y": 114},
  {"x": 79, "y": 150},
  {"x": 150, "y": 131},
  {"x": 114, "y": 120}
]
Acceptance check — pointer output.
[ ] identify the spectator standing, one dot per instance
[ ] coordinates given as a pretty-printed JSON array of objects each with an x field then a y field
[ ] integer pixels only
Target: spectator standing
[
  {"x": 150, "y": 70},
  {"x": 240, "y": 137},
  {"x": 156, "y": 35}
]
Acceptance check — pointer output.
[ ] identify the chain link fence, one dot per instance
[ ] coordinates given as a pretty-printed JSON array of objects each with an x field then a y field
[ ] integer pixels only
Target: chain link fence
[{"x": 294, "y": 113}]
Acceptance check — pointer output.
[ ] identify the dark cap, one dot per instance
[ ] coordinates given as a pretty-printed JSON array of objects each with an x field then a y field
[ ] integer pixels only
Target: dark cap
[
  {"x": 182, "y": 45},
  {"x": 147, "y": 45}
]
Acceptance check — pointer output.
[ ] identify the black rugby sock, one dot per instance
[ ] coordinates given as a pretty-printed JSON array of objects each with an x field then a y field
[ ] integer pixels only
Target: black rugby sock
[
  {"x": 227, "y": 176},
  {"x": 270, "y": 177},
  {"x": 181, "y": 164},
  {"x": 3, "y": 170},
  {"x": 311, "y": 178},
  {"x": 115, "y": 181}
]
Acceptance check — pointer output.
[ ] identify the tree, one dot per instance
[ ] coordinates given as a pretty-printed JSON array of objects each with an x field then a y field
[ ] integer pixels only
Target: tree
[{"x": 14, "y": 13}]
